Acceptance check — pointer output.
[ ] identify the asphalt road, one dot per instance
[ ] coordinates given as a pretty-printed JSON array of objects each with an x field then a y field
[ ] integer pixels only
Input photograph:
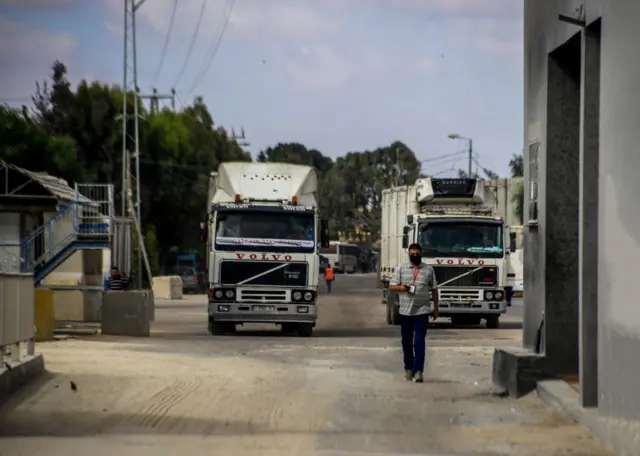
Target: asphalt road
[{"x": 258, "y": 392}]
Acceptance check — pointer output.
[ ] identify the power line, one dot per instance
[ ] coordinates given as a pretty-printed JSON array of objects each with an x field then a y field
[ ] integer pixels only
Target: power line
[
  {"x": 441, "y": 157},
  {"x": 213, "y": 49},
  {"x": 166, "y": 42},
  {"x": 192, "y": 44}
]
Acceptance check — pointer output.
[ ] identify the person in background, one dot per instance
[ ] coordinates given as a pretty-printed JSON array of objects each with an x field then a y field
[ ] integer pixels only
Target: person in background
[
  {"x": 328, "y": 277},
  {"x": 415, "y": 282},
  {"x": 116, "y": 282}
]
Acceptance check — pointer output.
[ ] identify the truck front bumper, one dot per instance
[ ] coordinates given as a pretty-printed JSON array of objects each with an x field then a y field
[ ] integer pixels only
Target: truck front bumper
[
  {"x": 245, "y": 312},
  {"x": 472, "y": 308}
]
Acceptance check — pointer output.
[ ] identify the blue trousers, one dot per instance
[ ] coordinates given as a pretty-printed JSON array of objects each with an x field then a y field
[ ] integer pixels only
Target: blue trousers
[
  {"x": 414, "y": 337},
  {"x": 508, "y": 294},
  {"x": 328, "y": 283}
]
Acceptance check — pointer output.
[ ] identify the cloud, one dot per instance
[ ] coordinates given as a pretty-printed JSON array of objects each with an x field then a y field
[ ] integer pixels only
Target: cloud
[
  {"x": 497, "y": 39},
  {"x": 24, "y": 58},
  {"x": 250, "y": 19},
  {"x": 323, "y": 67},
  {"x": 319, "y": 68},
  {"x": 475, "y": 9},
  {"x": 40, "y": 4}
]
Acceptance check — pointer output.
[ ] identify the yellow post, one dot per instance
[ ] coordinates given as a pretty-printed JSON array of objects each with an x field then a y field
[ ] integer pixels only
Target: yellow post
[{"x": 44, "y": 320}]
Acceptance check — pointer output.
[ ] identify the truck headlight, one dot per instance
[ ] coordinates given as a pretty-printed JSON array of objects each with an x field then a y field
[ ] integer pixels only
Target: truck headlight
[
  {"x": 498, "y": 295},
  {"x": 488, "y": 295},
  {"x": 229, "y": 294},
  {"x": 297, "y": 296},
  {"x": 308, "y": 296},
  {"x": 218, "y": 294}
]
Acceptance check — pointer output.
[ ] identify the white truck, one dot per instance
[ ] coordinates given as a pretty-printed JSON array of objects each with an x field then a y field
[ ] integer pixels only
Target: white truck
[
  {"x": 454, "y": 222},
  {"x": 263, "y": 236}
]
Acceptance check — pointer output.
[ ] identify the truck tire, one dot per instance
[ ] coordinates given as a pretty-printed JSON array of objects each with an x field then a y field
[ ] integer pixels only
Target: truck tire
[
  {"x": 304, "y": 329},
  {"x": 288, "y": 328},
  {"x": 493, "y": 322},
  {"x": 393, "y": 311},
  {"x": 216, "y": 328}
]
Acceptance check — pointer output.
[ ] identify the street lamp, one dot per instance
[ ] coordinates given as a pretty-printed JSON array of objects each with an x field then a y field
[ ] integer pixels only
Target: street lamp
[{"x": 470, "y": 141}]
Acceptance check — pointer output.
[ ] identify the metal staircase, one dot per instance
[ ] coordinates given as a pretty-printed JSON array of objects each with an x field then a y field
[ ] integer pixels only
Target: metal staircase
[{"x": 82, "y": 224}]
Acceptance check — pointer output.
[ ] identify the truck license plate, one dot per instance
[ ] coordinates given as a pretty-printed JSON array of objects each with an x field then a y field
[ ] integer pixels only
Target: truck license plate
[
  {"x": 264, "y": 308},
  {"x": 460, "y": 304}
]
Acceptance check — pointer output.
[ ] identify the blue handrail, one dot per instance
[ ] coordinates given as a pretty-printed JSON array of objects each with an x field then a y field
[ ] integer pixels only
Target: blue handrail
[{"x": 56, "y": 234}]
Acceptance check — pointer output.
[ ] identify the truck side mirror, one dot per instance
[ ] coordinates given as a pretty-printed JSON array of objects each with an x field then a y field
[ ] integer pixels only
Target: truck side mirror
[
  {"x": 204, "y": 232},
  {"x": 406, "y": 230},
  {"x": 405, "y": 241},
  {"x": 324, "y": 234},
  {"x": 512, "y": 242}
]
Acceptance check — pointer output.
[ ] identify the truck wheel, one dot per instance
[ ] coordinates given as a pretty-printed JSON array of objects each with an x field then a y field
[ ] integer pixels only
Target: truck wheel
[
  {"x": 217, "y": 329},
  {"x": 230, "y": 328},
  {"x": 304, "y": 329},
  {"x": 493, "y": 322},
  {"x": 393, "y": 310},
  {"x": 287, "y": 328}
]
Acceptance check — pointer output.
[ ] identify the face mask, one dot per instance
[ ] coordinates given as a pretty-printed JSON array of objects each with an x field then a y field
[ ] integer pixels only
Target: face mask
[{"x": 415, "y": 259}]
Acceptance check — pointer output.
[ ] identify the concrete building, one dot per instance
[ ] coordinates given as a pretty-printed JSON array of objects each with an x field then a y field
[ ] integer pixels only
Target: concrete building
[
  {"x": 59, "y": 235},
  {"x": 582, "y": 163}
]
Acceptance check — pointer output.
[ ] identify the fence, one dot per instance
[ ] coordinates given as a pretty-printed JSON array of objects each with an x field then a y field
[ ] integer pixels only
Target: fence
[{"x": 16, "y": 315}]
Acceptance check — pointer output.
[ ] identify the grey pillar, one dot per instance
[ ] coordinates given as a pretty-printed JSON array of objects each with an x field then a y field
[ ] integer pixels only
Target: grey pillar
[
  {"x": 589, "y": 165},
  {"x": 561, "y": 333}
]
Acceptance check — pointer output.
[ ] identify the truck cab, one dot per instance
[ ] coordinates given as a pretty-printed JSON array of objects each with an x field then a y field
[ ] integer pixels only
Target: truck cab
[{"x": 263, "y": 235}]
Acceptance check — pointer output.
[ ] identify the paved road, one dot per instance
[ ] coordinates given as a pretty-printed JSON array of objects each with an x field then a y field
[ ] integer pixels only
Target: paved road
[{"x": 258, "y": 392}]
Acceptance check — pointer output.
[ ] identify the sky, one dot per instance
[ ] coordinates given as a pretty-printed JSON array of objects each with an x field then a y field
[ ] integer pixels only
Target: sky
[{"x": 335, "y": 75}]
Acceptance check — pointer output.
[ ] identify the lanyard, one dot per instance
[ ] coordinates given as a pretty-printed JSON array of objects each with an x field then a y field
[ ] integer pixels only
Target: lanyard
[{"x": 416, "y": 273}]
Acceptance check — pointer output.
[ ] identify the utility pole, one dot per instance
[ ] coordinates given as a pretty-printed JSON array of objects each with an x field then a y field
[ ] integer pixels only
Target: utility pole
[
  {"x": 132, "y": 95},
  {"x": 155, "y": 98},
  {"x": 241, "y": 139},
  {"x": 470, "y": 158}
]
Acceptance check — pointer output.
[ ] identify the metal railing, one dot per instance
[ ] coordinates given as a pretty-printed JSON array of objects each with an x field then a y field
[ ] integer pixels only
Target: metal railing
[
  {"x": 75, "y": 221},
  {"x": 16, "y": 316}
]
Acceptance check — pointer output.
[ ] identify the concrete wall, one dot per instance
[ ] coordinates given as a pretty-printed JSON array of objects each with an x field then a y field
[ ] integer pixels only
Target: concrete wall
[
  {"x": 10, "y": 234},
  {"x": 605, "y": 282}
]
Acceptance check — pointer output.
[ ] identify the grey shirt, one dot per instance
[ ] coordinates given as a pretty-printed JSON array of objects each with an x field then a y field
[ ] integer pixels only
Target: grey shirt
[{"x": 424, "y": 281}]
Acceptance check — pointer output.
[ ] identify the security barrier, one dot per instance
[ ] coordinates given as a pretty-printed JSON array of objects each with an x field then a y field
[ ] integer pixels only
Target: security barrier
[
  {"x": 43, "y": 315},
  {"x": 167, "y": 287},
  {"x": 16, "y": 315}
]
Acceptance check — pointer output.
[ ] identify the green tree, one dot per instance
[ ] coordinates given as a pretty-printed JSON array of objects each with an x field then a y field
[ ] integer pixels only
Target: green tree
[
  {"x": 516, "y": 165},
  {"x": 77, "y": 135}
]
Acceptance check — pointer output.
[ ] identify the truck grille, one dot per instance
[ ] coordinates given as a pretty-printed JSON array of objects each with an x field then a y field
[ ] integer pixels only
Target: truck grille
[
  {"x": 486, "y": 277},
  {"x": 263, "y": 273},
  {"x": 248, "y": 295}
]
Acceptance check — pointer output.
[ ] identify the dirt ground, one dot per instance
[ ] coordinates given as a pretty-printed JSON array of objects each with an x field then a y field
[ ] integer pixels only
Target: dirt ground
[{"x": 258, "y": 392}]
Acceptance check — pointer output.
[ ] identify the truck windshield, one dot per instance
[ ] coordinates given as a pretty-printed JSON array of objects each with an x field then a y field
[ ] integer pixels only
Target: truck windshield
[
  {"x": 461, "y": 239},
  {"x": 261, "y": 231}
]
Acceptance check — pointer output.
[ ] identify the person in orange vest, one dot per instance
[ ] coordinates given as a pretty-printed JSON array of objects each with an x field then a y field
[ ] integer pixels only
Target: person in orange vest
[{"x": 328, "y": 277}]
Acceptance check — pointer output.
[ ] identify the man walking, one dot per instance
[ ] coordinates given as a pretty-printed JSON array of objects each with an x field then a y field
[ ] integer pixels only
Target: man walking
[
  {"x": 328, "y": 277},
  {"x": 416, "y": 284}
]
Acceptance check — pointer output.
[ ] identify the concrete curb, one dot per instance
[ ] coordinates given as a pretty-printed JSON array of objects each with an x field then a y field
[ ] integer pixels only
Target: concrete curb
[
  {"x": 28, "y": 369},
  {"x": 622, "y": 436}
]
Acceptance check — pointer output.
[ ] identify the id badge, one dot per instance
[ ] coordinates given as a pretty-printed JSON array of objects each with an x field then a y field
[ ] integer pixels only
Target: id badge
[{"x": 412, "y": 289}]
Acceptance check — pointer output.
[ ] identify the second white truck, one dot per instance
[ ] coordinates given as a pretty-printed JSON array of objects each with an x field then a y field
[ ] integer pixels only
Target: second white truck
[
  {"x": 454, "y": 222},
  {"x": 263, "y": 235}
]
